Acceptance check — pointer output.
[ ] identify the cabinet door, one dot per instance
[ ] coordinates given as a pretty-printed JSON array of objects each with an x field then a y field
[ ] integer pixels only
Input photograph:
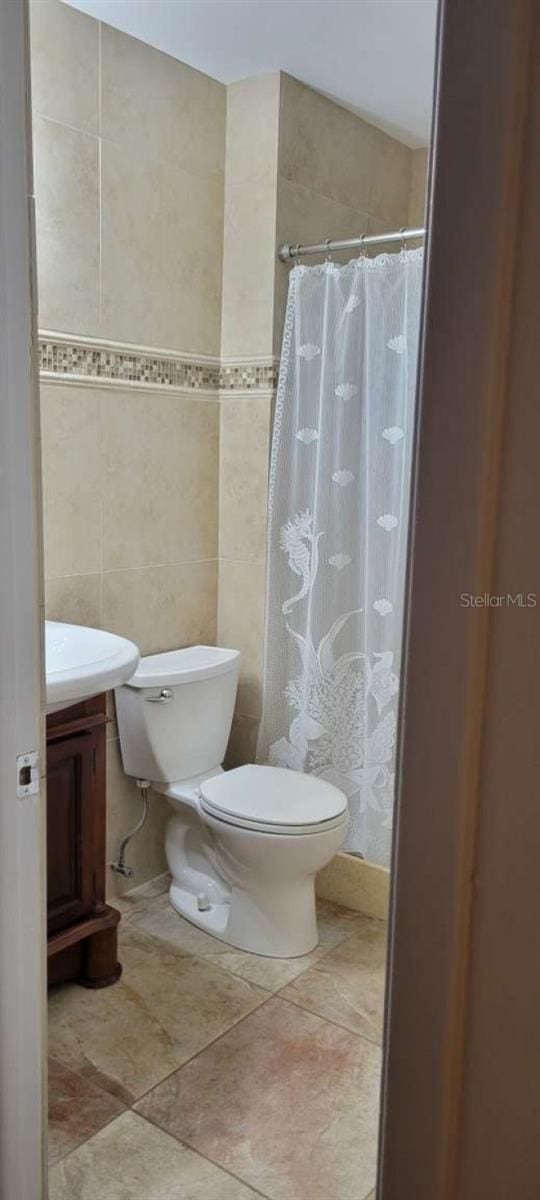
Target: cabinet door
[{"x": 71, "y": 772}]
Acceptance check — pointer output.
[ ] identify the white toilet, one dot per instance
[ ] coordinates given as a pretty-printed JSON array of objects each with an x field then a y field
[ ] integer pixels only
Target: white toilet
[{"x": 243, "y": 846}]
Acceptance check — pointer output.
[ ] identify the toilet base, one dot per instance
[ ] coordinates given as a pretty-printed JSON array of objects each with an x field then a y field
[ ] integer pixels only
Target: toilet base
[
  {"x": 257, "y": 928},
  {"x": 214, "y": 920}
]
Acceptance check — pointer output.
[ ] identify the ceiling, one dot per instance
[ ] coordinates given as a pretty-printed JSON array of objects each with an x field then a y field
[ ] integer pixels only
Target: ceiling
[{"x": 376, "y": 56}]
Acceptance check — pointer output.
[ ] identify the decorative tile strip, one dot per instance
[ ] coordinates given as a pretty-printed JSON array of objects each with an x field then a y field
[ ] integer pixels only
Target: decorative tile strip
[
  {"x": 69, "y": 358},
  {"x": 74, "y": 358},
  {"x": 249, "y": 377}
]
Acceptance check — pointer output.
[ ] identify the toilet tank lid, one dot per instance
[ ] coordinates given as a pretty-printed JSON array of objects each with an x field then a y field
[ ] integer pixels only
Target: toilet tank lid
[{"x": 188, "y": 665}]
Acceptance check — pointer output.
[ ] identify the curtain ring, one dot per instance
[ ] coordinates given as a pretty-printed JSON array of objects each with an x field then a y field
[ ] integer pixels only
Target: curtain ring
[
  {"x": 362, "y": 247},
  {"x": 328, "y": 258},
  {"x": 403, "y": 231}
]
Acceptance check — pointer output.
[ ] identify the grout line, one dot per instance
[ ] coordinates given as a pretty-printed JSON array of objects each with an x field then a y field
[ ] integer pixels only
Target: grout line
[
  {"x": 269, "y": 993},
  {"x": 187, "y": 562},
  {"x": 328, "y": 1020},
  {"x": 246, "y": 562},
  {"x": 268, "y": 996},
  {"x": 62, "y": 1157},
  {"x": 64, "y": 125},
  {"x": 213, "y": 1162}
]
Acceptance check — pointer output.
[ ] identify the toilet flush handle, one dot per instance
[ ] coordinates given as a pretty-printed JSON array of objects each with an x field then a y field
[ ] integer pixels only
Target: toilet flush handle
[{"x": 162, "y": 697}]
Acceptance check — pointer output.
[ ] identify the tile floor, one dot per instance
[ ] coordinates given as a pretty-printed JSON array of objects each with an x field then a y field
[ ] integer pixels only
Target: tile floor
[{"x": 211, "y": 1074}]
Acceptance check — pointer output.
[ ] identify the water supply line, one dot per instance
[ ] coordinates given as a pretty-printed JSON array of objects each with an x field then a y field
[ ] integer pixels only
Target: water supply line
[{"x": 120, "y": 866}]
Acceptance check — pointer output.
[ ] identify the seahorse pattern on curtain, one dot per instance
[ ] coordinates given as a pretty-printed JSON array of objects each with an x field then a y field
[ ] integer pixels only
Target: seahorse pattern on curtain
[{"x": 339, "y": 505}]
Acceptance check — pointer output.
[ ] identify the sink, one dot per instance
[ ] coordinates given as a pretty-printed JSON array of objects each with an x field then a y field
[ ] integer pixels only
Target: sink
[{"x": 82, "y": 662}]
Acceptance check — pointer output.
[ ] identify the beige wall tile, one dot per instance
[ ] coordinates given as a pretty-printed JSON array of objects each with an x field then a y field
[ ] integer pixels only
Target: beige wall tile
[
  {"x": 71, "y": 480},
  {"x": 161, "y": 107},
  {"x": 306, "y": 216},
  {"x": 417, "y": 192},
  {"x": 161, "y": 253},
  {"x": 242, "y": 742},
  {"x": 390, "y": 180},
  {"x": 161, "y": 467},
  {"x": 324, "y": 146},
  {"x": 161, "y": 608},
  {"x": 147, "y": 850},
  {"x": 64, "y": 60},
  {"x": 241, "y": 625},
  {"x": 250, "y": 216},
  {"x": 75, "y": 599},
  {"x": 67, "y": 227},
  {"x": 248, "y": 269},
  {"x": 243, "y": 475},
  {"x": 253, "y": 129}
]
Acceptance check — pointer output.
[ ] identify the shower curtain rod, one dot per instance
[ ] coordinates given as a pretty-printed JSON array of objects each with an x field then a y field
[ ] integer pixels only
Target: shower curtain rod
[{"x": 290, "y": 251}]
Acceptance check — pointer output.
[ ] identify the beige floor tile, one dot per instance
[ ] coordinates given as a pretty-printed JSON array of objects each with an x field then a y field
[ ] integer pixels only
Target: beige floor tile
[
  {"x": 347, "y": 985},
  {"x": 136, "y": 900},
  {"x": 132, "y": 1160},
  {"x": 166, "y": 1007},
  {"x": 286, "y": 1101},
  {"x": 77, "y": 1109},
  {"x": 158, "y": 919}
]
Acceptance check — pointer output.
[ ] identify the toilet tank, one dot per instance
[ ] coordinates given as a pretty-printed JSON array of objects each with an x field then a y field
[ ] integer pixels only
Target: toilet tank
[{"x": 175, "y": 713}]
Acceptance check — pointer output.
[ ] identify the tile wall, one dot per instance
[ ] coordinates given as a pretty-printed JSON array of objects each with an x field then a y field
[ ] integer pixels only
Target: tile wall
[{"x": 129, "y": 150}]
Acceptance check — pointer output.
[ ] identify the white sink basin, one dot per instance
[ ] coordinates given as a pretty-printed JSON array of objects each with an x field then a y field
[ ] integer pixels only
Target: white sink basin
[{"x": 81, "y": 662}]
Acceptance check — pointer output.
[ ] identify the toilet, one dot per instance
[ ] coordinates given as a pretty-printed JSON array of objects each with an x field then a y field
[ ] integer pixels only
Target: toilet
[{"x": 243, "y": 846}]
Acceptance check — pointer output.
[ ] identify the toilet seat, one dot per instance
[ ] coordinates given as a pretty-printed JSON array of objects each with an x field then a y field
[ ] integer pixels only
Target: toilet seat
[{"x": 273, "y": 800}]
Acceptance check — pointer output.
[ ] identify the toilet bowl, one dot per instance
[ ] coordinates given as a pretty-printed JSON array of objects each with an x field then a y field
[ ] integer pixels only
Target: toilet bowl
[{"x": 243, "y": 846}]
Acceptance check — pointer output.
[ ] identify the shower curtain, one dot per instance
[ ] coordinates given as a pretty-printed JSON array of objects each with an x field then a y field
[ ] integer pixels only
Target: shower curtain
[{"x": 339, "y": 504}]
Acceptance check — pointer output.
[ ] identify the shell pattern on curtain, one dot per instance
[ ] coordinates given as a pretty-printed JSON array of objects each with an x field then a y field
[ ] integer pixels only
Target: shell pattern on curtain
[{"x": 339, "y": 507}]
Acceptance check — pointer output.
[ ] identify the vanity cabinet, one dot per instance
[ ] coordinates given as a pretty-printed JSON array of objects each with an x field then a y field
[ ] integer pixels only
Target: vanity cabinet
[{"x": 81, "y": 927}]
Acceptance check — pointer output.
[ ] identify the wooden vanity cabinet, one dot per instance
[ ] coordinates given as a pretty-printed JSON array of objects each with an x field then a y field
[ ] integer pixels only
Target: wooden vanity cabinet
[{"x": 81, "y": 927}]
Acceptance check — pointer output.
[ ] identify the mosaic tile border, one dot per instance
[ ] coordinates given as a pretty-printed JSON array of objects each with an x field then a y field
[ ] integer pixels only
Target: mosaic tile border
[
  {"x": 77, "y": 359},
  {"x": 248, "y": 377},
  {"x": 101, "y": 362}
]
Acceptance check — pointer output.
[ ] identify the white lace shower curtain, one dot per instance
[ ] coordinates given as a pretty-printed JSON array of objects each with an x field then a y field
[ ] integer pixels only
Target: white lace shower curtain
[{"x": 339, "y": 503}]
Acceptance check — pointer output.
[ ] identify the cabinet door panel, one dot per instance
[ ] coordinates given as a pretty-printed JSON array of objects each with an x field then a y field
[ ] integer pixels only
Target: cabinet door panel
[{"x": 71, "y": 766}]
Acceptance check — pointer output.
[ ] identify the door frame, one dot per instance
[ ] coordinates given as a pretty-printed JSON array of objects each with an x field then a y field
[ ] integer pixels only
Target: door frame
[
  {"x": 22, "y": 824},
  {"x": 451, "y": 818},
  {"x": 461, "y": 1064}
]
